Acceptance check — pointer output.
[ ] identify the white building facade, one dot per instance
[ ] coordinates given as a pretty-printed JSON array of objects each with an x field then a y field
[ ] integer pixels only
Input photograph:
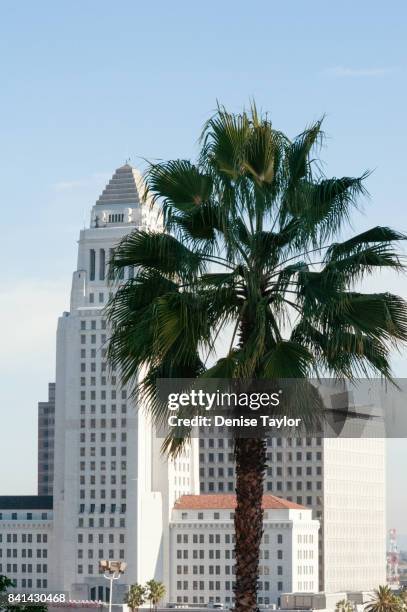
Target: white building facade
[
  {"x": 341, "y": 479},
  {"x": 26, "y": 529},
  {"x": 202, "y": 550},
  {"x": 112, "y": 490}
]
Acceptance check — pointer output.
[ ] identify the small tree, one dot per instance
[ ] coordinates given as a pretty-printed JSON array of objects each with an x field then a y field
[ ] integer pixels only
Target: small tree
[
  {"x": 155, "y": 592},
  {"x": 344, "y": 606},
  {"x": 135, "y": 596},
  {"x": 6, "y": 583},
  {"x": 384, "y": 600}
]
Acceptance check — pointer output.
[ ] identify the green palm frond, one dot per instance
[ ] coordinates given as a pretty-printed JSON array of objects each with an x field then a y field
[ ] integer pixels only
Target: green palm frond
[
  {"x": 199, "y": 225},
  {"x": 224, "y": 139},
  {"x": 149, "y": 250},
  {"x": 299, "y": 153},
  {"x": 323, "y": 206},
  {"x": 379, "y": 315},
  {"x": 178, "y": 184},
  {"x": 287, "y": 359},
  {"x": 380, "y": 235}
]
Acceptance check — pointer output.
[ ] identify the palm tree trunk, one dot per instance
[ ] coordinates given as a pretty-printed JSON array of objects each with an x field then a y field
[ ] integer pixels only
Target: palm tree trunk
[{"x": 250, "y": 469}]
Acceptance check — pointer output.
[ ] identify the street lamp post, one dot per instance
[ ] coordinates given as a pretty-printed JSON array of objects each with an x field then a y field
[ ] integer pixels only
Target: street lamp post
[{"x": 111, "y": 570}]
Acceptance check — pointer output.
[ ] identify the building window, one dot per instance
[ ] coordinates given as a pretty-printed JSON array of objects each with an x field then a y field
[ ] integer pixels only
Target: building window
[
  {"x": 102, "y": 264},
  {"x": 92, "y": 264}
]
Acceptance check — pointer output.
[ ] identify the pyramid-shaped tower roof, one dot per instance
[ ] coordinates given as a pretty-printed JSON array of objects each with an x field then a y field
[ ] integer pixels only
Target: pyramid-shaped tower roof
[{"x": 123, "y": 188}]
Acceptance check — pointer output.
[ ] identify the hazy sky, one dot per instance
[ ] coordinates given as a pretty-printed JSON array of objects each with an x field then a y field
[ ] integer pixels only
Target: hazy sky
[{"x": 85, "y": 85}]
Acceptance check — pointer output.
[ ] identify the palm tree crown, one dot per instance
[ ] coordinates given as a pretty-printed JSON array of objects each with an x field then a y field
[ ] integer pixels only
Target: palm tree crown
[
  {"x": 384, "y": 600},
  {"x": 155, "y": 592},
  {"x": 135, "y": 596}
]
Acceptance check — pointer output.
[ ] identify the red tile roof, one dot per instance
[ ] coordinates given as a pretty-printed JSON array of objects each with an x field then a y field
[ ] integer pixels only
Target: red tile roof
[{"x": 228, "y": 502}]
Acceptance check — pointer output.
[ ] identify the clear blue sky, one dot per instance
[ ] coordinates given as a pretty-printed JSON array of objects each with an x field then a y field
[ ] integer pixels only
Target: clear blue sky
[{"x": 84, "y": 85}]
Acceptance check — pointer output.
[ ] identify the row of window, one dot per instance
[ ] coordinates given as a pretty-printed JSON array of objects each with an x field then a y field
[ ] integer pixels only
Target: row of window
[
  {"x": 91, "y": 353},
  {"x": 110, "y": 538},
  {"x": 101, "y": 297},
  {"x": 305, "y": 569},
  {"x": 216, "y": 442},
  {"x": 91, "y": 465},
  {"x": 93, "y": 324},
  {"x": 113, "y": 409},
  {"x": 22, "y": 516},
  {"x": 212, "y": 431},
  {"x": 91, "y": 569},
  {"x": 306, "y": 586},
  {"x": 216, "y": 457},
  {"x": 116, "y": 218},
  {"x": 289, "y": 442},
  {"x": 297, "y": 456},
  {"x": 217, "y": 554},
  {"x": 112, "y": 523},
  {"x": 91, "y": 479},
  {"x": 298, "y": 485},
  {"x": 228, "y": 538},
  {"x": 305, "y": 554},
  {"x": 26, "y": 568},
  {"x": 305, "y": 538},
  {"x": 220, "y": 472},
  {"x": 277, "y": 457},
  {"x": 27, "y": 583},
  {"x": 217, "y": 472},
  {"x": 93, "y": 338},
  {"x": 220, "y": 486},
  {"x": 92, "y": 437},
  {"x": 92, "y": 395},
  {"x": 92, "y": 451},
  {"x": 264, "y": 570},
  {"x": 102, "y": 508},
  {"x": 100, "y": 554},
  {"x": 25, "y": 538},
  {"x": 200, "y": 516},
  {"x": 217, "y": 585},
  {"x": 93, "y": 367},
  {"x": 40, "y": 553},
  {"x": 102, "y": 381},
  {"x": 103, "y": 423}
]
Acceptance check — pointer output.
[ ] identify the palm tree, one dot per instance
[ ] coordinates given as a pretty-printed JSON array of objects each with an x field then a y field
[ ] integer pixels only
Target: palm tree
[
  {"x": 344, "y": 606},
  {"x": 155, "y": 592},
  {"x": 250, "y": 243},
  {"x": 384, "y": 600},
  {"x": 135, "y": 596}
]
